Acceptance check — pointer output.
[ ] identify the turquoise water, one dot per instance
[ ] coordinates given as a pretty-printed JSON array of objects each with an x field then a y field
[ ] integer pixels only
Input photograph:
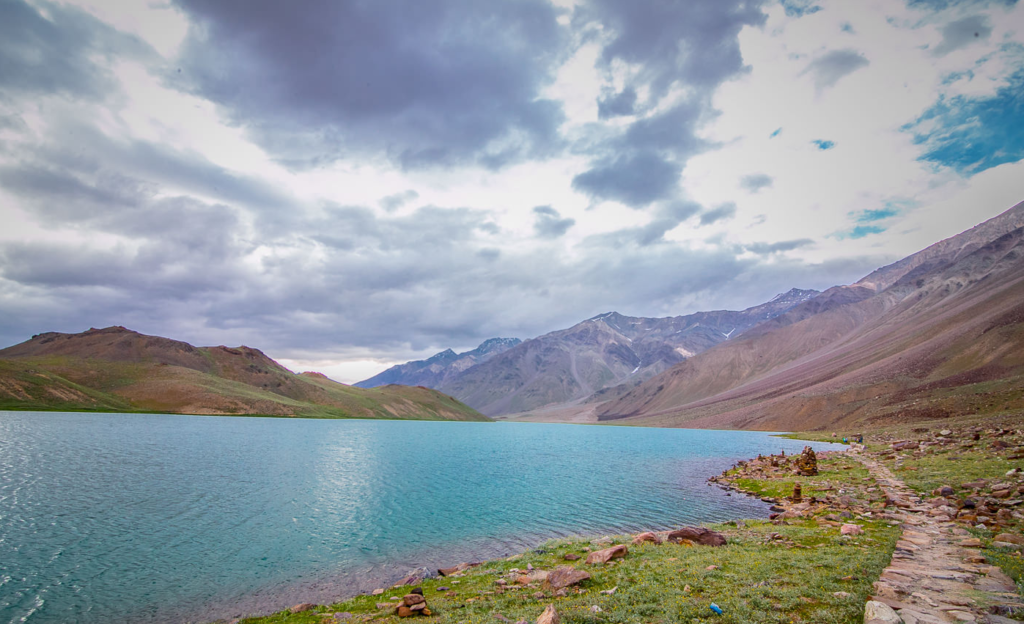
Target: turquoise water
[{"x": 166, "y": 518}]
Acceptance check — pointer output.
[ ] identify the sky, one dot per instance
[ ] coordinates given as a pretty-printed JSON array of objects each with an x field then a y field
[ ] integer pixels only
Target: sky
[{"x": 350, "y": 185}]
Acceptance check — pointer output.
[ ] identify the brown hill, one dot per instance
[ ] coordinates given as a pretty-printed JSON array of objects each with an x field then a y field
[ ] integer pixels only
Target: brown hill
[
  {"x": 943, "y": 335},
  {"x": 116, "y": 369}
]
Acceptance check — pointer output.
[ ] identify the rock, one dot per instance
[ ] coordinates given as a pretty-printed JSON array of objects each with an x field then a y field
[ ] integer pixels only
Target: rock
[
  {"x": 564, "y": 576},
  {"x": 606, "y": 555},
  {"x": 971, "y": 543},
  {"x": 341, "y": 617},
  {"x": 539, "y": 595},
  {"x": 306, "y": 606},
  {"x": 711, "y": 567},
  {"x": 570, "y": 557},
  {"x": 851, "y": 529},
  {"x": 945, "y": 433},
  {"x": 609, "y": 592},
  {"x": 413, "y": 599},
  {"x": 945, "y": 490},
  {"x": 1009, "y": 538},
  {"x": 596, "y": 609},
  {"x": 697, "y": 535},
  {"x": 550, "y": 616},
  {"x": 404, "y": 611},
  {"x": 377, "y": 592},
  {"x": 418, "y": 607},
  {"x": 841, "y": 594},
  {"x": 646, "y": 537},
  {"x": 881, "y": 612}
]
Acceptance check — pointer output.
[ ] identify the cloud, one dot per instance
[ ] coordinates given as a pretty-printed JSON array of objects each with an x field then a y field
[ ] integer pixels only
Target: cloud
[
  {"x": 765, "y": 249},
  {"x": 823, "y": 145},
  {"x": 397, "y": 200},
  {"x": 549, "y": 224},
  {"x": 970, "y": 135},
  {"x": 425, "y": 86},
  {"x": 754, "y": 182},
  {"x": 829, "y": 68},
  {"x": 636, "y": 180},
  {"x": 725, "y": 211},
  {"x": 961, "y": 33},
  {"x": 61, "y": 53},
  {"x": 660, "y": 46},
  {"x": 859, "y": 231},
  {"x": 617, "y": 104}
]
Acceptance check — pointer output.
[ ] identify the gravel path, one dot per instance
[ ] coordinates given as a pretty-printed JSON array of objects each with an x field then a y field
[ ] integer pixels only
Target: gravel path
[{"x": 937, "y": 573}]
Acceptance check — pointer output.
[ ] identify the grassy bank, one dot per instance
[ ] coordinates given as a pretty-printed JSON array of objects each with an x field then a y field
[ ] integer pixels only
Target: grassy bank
[{"x": 798, "y": 570}]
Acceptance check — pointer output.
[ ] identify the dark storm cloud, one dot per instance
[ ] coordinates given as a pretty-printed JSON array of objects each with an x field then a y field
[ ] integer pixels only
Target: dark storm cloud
[
  {"x": 425, "y": 84},
  {"x": 962, "y": 32},
  {"x": 665, "y": 45},
  {"x": 549, "y": 224},
  {"x": 754, "y": 182},
  {"x": 56, "y": 54},
  {"x": 690, "y": 43},
  {"x": 636, "y": 179},
  {"x": 829, "y": 68},
  {"x": 725, "y": 211},
  {"x": 617, "y": 104}
]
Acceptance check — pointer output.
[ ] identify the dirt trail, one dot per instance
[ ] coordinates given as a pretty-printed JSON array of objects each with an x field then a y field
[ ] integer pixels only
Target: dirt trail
[{"x": 936, "y": 574}]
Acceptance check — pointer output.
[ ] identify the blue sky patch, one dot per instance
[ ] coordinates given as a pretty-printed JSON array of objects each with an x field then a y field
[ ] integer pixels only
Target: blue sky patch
[
  {"x": 775, "y": 134},
  {"x": 799, "y": 8},
  {"x": 867, "y": 216},
  {"x": 824, "y": 145},
  {"x": 859, "y": 231},
  {"x": 971, "y": 135}
]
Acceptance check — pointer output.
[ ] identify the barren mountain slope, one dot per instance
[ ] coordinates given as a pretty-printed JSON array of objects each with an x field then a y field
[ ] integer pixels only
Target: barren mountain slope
[
  {"x": 939, "y": 340},
  {"x": 602, "y": 352}
]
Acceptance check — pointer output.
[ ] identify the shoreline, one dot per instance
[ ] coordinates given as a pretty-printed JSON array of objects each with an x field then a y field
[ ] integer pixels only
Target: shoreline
[{"x": 843, "y": 509}]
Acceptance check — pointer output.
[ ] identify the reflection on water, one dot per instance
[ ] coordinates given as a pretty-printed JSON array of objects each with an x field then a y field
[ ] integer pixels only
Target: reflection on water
[{"x": 124, "y": 518}]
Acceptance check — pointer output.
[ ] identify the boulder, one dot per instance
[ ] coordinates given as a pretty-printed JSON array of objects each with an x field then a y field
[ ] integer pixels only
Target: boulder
[
  {"x": 851, "y": 529},
  {"x": 880, "y": 612},
  {"x": 306, "y": 606},
  {"x": 606, "y": 555},
  {"x": 646, "y": 537},
  {"x": 564, "y": 576},
  {"x": 413, "y": 599},
  {"x": 550, "y": 616},
  {"x": 697, "y": 535}
]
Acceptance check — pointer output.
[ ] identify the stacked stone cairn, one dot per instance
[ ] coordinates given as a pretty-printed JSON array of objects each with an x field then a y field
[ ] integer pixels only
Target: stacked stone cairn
[
  {"x": 412, "y": 604},
  {"x": 806, "y": 463}
]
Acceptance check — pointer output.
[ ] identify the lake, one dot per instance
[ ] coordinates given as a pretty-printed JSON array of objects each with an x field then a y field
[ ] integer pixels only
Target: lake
[{"x": 170, "y": 518}]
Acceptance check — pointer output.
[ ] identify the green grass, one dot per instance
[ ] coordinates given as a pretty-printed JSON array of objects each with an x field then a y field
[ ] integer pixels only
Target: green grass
[
  {"x": 757, "y": 582},
  {"x": 930, "y": 471},
  {"x": 833, "y": 472}
]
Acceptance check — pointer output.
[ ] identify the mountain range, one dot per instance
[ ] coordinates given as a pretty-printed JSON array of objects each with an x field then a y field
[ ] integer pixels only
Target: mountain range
[
  {"x": 605, "y": 354},
  {"x": 937, "y": 334},
  {"x": 116, "y": 369}
]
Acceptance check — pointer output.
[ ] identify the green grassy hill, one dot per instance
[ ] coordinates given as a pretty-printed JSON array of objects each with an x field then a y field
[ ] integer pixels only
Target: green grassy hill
[{"x": 115, "y": 369}]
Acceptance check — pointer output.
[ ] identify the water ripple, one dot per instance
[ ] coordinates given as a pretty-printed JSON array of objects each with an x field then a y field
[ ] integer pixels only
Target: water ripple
[{"x": 157, "y": 518}]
